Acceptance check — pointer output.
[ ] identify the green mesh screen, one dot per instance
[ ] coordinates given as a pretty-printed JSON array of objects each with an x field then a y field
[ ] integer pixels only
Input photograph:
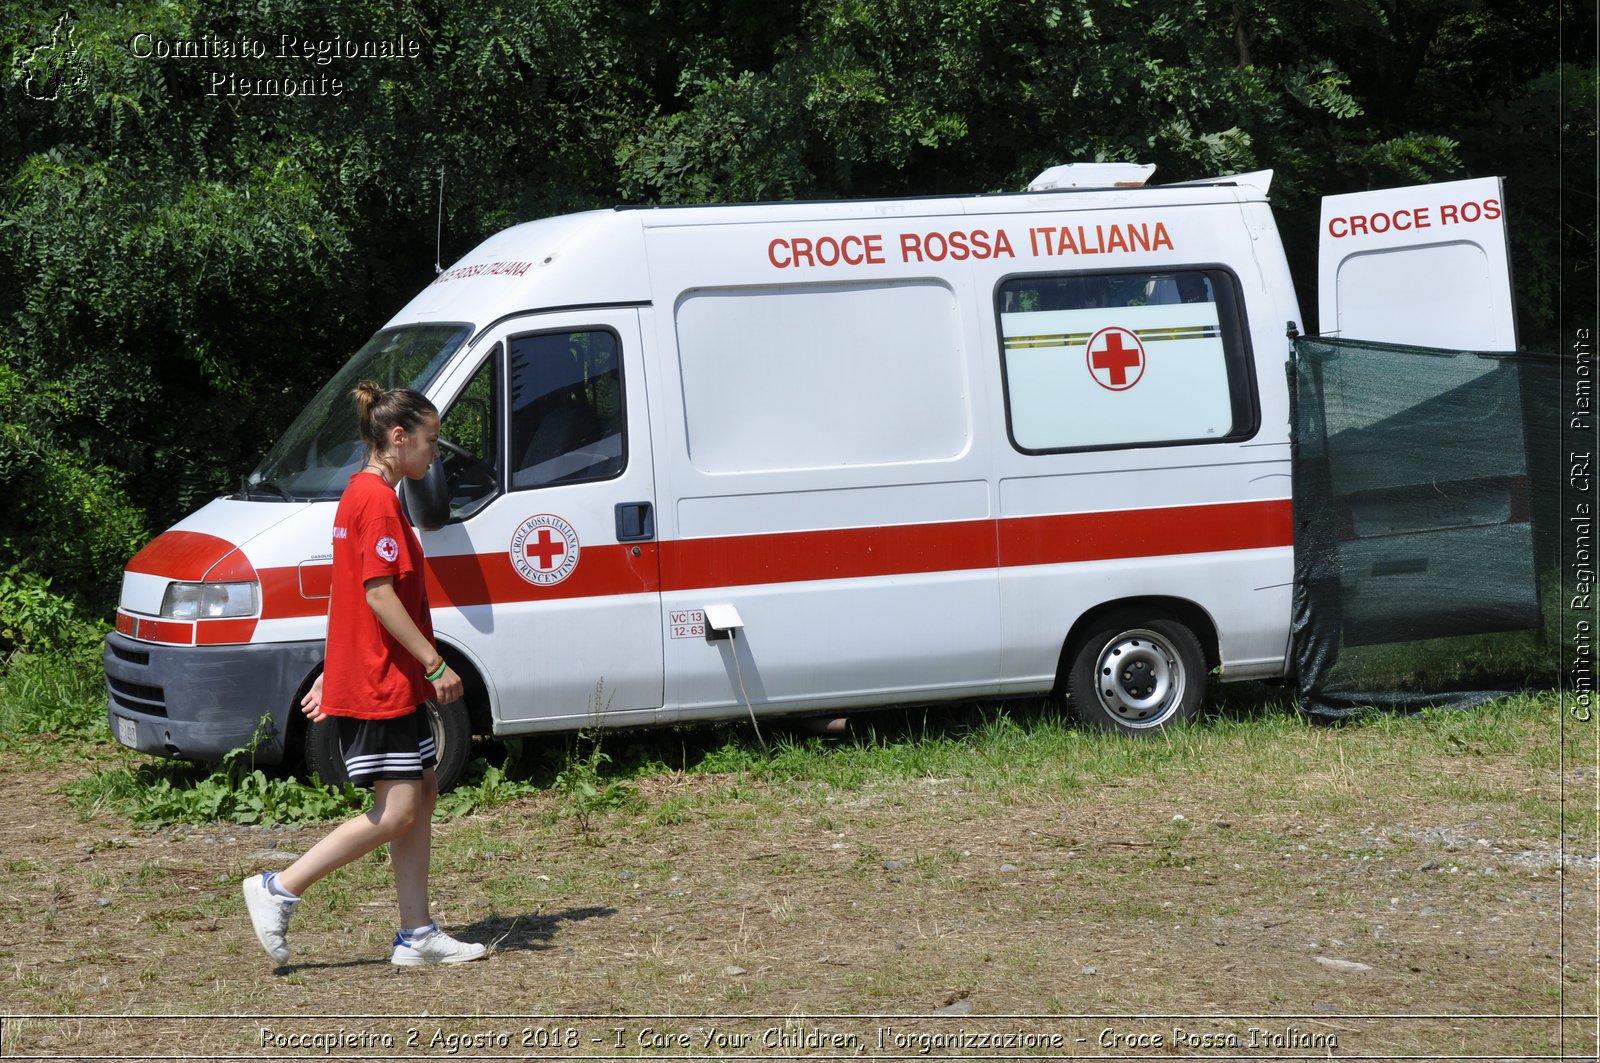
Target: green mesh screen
[{"x": 1427, "y": 525}]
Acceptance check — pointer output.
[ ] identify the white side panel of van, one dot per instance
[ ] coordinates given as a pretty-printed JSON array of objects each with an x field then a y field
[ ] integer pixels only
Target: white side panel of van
[
  {"x": 880, "y": 361},
  {"x": 825, "y": 477},
  {"x": 1426, "y": 265}
]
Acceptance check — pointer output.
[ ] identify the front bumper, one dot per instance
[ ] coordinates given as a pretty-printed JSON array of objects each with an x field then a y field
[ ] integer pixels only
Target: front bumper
[{"x": 203, "y": 702}]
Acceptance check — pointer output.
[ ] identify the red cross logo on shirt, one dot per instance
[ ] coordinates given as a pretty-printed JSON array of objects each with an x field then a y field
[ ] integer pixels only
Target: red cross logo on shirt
[{"x": 1115, "y": 358}]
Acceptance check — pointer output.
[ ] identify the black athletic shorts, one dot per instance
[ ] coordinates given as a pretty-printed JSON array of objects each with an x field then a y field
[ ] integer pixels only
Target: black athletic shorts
[{"x": 387, "y": 750}]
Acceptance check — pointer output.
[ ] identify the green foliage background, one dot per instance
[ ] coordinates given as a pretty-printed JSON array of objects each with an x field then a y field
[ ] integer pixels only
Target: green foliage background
[{"x": 181, "y": 268}]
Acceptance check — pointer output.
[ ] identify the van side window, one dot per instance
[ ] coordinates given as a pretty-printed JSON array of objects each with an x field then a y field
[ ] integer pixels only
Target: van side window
[
  {"x": 1127, "y": 358},
  {"x": 469, "y": 441},
  {"x": 568, "y": 421}
]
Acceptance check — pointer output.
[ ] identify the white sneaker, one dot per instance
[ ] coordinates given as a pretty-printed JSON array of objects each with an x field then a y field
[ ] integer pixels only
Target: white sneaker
[
  {"x": 269, "y": 914},
  {"x": 434, "y": 947}
]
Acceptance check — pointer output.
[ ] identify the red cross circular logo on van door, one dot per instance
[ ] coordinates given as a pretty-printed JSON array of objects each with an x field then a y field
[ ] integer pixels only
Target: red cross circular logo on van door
[
  {"x": 1116, "y": 358},
  {"x": 544, "y": 549}
]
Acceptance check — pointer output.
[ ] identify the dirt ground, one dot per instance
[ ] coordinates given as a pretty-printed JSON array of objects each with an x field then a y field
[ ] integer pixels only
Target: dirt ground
[{"x": 737, "y": 919}]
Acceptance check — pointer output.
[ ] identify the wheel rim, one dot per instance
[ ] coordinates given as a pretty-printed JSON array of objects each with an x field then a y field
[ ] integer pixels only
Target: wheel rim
[{"x": 1139, "y": 679}]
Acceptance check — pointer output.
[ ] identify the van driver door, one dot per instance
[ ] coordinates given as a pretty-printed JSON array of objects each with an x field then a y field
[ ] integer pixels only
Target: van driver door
[{"x": 547, "y": 572}]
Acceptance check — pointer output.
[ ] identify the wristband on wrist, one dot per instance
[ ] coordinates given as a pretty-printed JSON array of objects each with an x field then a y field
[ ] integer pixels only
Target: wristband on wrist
[{"x": 437, "y": 673}]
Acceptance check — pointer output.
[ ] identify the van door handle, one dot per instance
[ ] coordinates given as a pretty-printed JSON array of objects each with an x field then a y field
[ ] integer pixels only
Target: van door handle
[{"x": 635, "y": 522}]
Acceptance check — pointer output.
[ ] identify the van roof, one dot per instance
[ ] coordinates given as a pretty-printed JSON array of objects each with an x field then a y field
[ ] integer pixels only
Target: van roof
[
  {"x": 566, "y": 260},
  {"x": 1254, "y": 184}
]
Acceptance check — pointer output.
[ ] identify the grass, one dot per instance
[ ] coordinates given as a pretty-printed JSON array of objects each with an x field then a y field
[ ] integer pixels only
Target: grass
[
  {"x": 1252, "y": 742},
  {"x": 59, "y": 695},
  {"x": 995, "y": 850}
]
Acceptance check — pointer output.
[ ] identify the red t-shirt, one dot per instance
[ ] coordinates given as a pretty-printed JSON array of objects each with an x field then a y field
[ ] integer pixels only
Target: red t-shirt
[{"x": 367, "y": 673}]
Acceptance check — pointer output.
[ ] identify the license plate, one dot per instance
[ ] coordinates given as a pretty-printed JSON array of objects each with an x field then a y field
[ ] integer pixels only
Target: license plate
[{"x": 127, "y": 732}]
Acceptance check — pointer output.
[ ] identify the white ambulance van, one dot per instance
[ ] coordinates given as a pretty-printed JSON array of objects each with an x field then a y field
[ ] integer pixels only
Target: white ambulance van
[{"x": 799, "y": 458}]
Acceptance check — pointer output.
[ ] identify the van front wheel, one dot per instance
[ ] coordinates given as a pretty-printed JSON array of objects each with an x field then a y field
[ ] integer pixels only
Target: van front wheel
[
  {"x": 452, "y": 740},
  {"x": 1136, "y": 674}
]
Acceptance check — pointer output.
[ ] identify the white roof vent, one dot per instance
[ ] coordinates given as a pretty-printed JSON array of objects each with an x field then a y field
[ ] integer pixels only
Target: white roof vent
[{"x": 1093, "y": 175}]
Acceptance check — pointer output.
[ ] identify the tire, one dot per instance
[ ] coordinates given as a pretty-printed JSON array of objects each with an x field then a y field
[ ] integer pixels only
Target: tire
[
  {"x": 452, "y": 739},
  {"x": 1135, "y": 674}
]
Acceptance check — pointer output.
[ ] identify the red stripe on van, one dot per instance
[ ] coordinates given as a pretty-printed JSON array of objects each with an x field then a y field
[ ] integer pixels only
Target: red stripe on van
[
  {"x": 229, "y": 632},
  {"x": 282, "y": 596},
  {"x": 479, "y": 579},
  {"x": 1146, "y": 533},
  {"x": 463, "y": 580},
  {"x": 849, "y": 553},
  {"x": 191, "y": 557},
  {"x": 170, "y": 632},
  {"x": 224, "y": 632}
]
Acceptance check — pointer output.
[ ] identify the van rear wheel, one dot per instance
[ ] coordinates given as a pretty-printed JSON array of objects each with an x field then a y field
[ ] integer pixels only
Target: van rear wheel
[
  {"x": 452, "y": 740},
  {"x": 1136, "y": 674}
]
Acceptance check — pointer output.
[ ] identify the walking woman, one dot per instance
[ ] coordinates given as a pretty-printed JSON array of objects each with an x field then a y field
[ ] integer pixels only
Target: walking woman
[{"x": 381, "y": 665}]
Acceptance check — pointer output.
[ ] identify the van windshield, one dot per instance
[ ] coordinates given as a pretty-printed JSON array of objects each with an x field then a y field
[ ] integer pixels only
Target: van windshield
[{"x": 315, "y": 458}]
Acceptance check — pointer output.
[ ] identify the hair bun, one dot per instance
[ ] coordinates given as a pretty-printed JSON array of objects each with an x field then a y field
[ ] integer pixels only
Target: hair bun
[
  {"x": 367, "y": 394},
  {"x": 379, "y": 409}
]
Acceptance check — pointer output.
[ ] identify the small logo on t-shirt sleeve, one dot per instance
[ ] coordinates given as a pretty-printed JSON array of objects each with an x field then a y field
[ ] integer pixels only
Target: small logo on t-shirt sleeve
[{"x": 387, "y": 548}]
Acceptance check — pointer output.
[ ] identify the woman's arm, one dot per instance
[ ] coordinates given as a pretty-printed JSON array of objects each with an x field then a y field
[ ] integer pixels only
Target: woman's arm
[{"x": 391, "y": 613}]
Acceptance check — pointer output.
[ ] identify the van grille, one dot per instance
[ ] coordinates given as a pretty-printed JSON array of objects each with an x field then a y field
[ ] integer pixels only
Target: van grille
[
  {"x": 138, "y": 657},
  {"x": 137, "y": 697}
]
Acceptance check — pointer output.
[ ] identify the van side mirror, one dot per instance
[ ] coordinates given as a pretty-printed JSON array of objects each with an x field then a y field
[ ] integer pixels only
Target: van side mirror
[{"x": 427, "y": 501}]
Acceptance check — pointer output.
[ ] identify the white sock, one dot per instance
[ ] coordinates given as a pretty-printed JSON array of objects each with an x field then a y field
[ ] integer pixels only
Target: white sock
[
  {"x": 277, "y": 890},
  {"x": 419, "y": 932}
]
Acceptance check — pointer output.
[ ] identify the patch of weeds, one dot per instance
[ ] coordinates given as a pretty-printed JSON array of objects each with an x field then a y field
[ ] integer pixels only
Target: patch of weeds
[
  {"x": 585, "y": 788},
  {"x": 51, "y": 679},
  {"x": 794, "y": 760},
  {"x": 671, "y": 812},
  {"x": 485, "y": 786},
  {"x": 248, "y": 797},
  {"x": 234, "y": 792},
  {"x": 727, "y": 759},
  {"x": 59, "y": 694}
]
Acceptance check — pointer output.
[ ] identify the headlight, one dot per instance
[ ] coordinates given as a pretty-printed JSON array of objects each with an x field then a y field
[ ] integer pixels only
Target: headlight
[{"x": 189, "y": 601}]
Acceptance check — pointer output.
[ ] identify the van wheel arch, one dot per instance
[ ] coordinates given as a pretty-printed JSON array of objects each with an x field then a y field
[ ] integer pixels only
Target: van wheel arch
[
  {"x": 453, "y": 727},
  {"x": 1173, "y": 636}
]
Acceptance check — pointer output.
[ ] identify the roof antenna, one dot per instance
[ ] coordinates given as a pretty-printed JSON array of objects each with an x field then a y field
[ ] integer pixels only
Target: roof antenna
[{"x": 438, "y": 237}]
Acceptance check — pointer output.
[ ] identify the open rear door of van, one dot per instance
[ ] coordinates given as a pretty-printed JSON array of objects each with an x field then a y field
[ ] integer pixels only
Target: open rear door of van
[
  {"x": 1425, "y": 265},
  {"x": 1419, "y": 461}
]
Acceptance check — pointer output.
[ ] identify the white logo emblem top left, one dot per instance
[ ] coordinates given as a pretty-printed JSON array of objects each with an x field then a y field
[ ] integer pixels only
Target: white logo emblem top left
[
  {"x": 55, "y": 70},
  {"x": 388, "y": 549}
]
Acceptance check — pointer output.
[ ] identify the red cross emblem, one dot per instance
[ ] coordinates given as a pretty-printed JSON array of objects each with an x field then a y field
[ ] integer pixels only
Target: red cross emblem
[
  {"x": 1115, "y": 358},
  {"x": 544, "y": 549}
]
